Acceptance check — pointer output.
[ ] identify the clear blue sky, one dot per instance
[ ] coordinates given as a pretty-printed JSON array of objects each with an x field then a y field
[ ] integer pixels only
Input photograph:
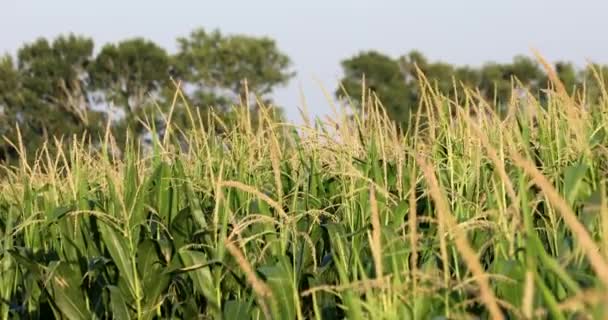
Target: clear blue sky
[{"x": 317, "y": 34}]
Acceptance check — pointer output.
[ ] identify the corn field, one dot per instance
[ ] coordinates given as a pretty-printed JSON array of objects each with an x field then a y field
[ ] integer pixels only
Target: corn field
[{"x": 498, "y": 217}]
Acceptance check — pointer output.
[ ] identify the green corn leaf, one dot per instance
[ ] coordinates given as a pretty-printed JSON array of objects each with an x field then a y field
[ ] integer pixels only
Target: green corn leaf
[
  {"x": 201, "y": 276},
  {"x": 118, "y": 247},
  {"x": 66, "y": 292},
  {"x": 234, "y": 309},
  {"x": 118, "y": 304}
]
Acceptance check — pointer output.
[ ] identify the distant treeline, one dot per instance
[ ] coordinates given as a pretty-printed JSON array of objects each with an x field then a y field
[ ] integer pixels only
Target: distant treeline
[
  {"x": 396, "y": 81},
  {"x": 62, "y": 87}
]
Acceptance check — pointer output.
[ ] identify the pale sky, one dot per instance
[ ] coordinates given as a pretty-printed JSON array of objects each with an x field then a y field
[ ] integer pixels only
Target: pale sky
[{"x": 318, "y": 34}]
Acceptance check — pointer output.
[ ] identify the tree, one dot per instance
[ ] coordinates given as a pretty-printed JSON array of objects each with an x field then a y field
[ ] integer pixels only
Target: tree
[
  {"x": 396, "y": 81},
  {"x": 130, "y": 77},
  {"x": 216, "y": 65},
  {"x": 444, "y": 77},
  {"x": 130, "y": 73},
  {"x": 567, "y": 75},
  {"x": 46, "y": 94},
  {"x": 495, "y": 84},
  {"x": 10, "y": 87},
  {"x": 594, "y": 78},
  {"x": 497, "y": 79},
  {"x": 383, "y": 76},
  {"x": 527, "y": 71}
]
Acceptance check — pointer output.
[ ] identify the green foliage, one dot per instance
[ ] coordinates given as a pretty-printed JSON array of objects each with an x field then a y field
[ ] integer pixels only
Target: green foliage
[
  {"x": 268, "y": 222},
  {"x": 594, "y": 79},
  {"x": 567, "y": 74},
  {"x": 152, "y": 235},
  {"x": 46, "y": 95},
  {"x": 397, "y": 81},
  {"x": 10, "y": 83},
  {"x": 130, "y": 72},
  {"x": 217, "y": 65},
  {"x": 383, "y": 76},
  {"x": 58, "y": 88},
  {"x": 130, "y": 76}
]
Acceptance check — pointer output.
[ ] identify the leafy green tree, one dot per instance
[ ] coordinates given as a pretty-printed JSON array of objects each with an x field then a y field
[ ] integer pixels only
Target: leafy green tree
[
  {"x": 469, "y": 76},
  {"x": 567, "y": 74},
  {"x": 130, "y": 77},
  {"x": 527, "y": 70},
  {"x": 594, "y": 77},
  {"x": 497, "y": 79},
  {"x": 411, "y": 62},
  {"x": 46, "y": 94},
  {"x": 10, "y": 87},
  {"x": 441, "y": 76},
  {"x": 130, "y": 74},
  {"x": 384, "y": 76},
  {"x": 444, "y": 77},
  {"x": 216, "y": 65},
  {"x": 495, "y": 83},
  {"x": 396, "y": 81}
]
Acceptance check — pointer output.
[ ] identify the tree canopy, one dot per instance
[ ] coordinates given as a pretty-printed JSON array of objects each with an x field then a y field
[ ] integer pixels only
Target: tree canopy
[
  {"x": 60, "y": 87},
  {"x": 130, "y": 72},
  {"x": 395, "y": 80},
  {"x": 63, "y": 87},
  {"x": 216, "y": 66},
  {"x": 45, "y": 94}
]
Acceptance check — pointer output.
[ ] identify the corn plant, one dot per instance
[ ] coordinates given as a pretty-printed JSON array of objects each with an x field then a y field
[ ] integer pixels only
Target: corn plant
[{"x": 499, "y": 217}]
